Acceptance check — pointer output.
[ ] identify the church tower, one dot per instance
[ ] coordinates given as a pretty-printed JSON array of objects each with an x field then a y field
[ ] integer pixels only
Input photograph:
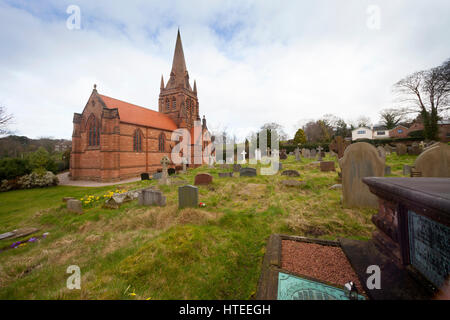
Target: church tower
[{"x": 177, "y": 99}]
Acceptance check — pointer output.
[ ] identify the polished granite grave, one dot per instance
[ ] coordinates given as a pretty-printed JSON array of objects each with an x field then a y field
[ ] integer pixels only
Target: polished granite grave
[{"x": 291, "y": 287}]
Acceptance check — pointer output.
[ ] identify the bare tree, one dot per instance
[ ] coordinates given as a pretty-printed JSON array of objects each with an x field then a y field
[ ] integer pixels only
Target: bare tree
[
  {"x": 5, "y": 120},
  {"x": 427, "y": 93}
]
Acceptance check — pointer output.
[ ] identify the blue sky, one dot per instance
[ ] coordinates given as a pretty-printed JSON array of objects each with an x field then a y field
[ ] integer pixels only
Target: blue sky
[{"x": 254, "y": 61}]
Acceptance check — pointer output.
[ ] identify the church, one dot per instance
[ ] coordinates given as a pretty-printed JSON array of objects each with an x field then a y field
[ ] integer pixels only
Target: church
[{"x": 114, "y": 140}]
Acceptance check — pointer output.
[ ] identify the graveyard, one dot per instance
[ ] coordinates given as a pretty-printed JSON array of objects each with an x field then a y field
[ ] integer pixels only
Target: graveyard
[{"x": 212, "y": 251}]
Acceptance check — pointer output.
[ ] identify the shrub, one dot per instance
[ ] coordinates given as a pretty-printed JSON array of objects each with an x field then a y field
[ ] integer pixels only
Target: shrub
[
  {"x": 11, "y": 168},
  {"x": 38, "y": 179}
]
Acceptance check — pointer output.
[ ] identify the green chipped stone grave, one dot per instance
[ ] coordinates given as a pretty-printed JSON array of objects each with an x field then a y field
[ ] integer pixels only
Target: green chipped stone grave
[{"x": 295, "y": 288}]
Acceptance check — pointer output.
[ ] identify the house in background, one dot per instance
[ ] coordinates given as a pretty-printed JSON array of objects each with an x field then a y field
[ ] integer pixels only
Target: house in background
[
  {"x": 399, "y": 132},
  {"x": 444, "y": 130},
  {"x": 380, "y": 132},
  {"x": 362, "y": 133}
]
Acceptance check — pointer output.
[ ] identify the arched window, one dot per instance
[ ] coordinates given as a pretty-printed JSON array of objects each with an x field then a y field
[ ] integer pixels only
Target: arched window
[
  {"x": 162, "y": 142},
  {"x": 167, "y": 104},
  {"x": 174, "y": 103},
  {"x": 93, "y": 131},
  {"x": 137, "y": 141}
]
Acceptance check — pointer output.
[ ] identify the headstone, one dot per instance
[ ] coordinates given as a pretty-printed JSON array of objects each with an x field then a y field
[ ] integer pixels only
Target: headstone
[
  {"x": 145, "y": 176},
  {"x": 400, "y": 149},
  {"x": 65, "y": 199},
  {"x": 434, "y": 161},
  {"x": 306, "y": 153},
  {"x": 225, "y": 174},
  {"x": 119, "y": 198},
  {"x": 150, "y": 197},
  {"x": 381, "y": 152},
  {"x": 388, "y": 149},
  {"x": 319, "y": 151},
  {"x": 290, "y": 173},
  {"x": 247, "y": 172},
  {"x": 415, "y": 149},
  {"x": 187, "y": 197},
  {"x": 203, "y": 179},
  {"x": 277, "y": 164},
  {"x": 157, "y": 175},
  {"x": 236, "y": 167},
  {"x": 293, "y": 183},
  {"x": 360, "y": 160},
  {"x": 164, "y": 177},
  {"x": 406, "y": 170},
  {"x": 387, "y": 170},
  {"x": 74, "y": 205},
  {"x": 258, "y": 154},
  {"x": 312, "y": 153},
  {"x": 283, "y": 155},
  {"x": 297, "y": 154},
  {"x": 327, "y": 166}
]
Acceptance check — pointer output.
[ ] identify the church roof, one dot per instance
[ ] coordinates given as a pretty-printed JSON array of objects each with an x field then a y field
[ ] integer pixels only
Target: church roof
[{"x": 134, "y": 114}]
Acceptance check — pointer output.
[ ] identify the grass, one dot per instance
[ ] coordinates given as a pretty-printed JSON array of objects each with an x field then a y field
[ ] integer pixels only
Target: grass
[{"x": 164, "y": 253}]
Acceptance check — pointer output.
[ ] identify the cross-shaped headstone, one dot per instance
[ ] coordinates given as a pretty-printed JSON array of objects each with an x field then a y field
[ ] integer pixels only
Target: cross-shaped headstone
[
  {"x": 319, "y": 149},
  {"x": 243, "y": 153}
]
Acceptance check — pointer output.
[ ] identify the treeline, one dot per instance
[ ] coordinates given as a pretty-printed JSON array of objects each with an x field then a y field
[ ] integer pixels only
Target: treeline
[{"x": 18, "y": 146}]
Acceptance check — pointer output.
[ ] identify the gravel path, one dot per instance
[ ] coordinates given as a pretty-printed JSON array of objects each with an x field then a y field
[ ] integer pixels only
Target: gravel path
[
  {"x": 325, "y": 263},
  {"x": 65, "y": 181}
]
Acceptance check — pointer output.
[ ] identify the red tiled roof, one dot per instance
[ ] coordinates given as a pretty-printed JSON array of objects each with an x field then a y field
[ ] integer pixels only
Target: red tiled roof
[{"x": 134, "y": 114}]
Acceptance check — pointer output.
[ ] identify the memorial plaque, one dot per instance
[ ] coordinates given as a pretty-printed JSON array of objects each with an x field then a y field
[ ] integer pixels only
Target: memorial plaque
[
  {"x": 295, "y": 288},
  {"x": 429, "y": 247}
]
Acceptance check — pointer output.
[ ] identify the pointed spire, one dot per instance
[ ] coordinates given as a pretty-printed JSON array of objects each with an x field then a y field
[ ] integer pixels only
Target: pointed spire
[
  {"x": 179, "y": 64},
  {"x": 162, "y": 82},
  {"x": 195, "y": 86}
]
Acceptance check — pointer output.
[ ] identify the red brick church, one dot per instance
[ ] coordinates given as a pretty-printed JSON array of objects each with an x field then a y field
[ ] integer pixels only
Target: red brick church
[{"x": 114, "y": 139}]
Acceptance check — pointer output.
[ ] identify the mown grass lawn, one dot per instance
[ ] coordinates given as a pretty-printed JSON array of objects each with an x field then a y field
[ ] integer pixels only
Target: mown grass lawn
[{"x": 165, "y": 253}]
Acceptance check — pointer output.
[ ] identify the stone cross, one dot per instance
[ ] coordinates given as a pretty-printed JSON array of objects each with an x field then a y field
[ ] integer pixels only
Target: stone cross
[
  {"x": 243, "y": 153},
  {"x": 165, "y": 161},
  {"x": 297, "y": 154},
  {"x": 319, "y": 149}
]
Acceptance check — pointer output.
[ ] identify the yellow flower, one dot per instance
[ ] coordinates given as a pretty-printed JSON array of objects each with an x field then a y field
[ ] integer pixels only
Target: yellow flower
[
  {"x": 132, "y": 294},
  {"x": 149, "y": 298}
]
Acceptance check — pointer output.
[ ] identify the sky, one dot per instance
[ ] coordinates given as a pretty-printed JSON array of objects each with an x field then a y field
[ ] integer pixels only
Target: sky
[{"x": 254, "y": 61}]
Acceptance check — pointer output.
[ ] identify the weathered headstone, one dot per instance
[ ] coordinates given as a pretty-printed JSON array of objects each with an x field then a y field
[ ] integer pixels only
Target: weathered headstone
[
  {"x": 293, "y": 183},
  {"x": 434, "y": 161},
  {"x": 297, "y": 154},
  {"x": 283, "y": 155},
  {"x": 360, "y": 160},
  {"x": 65, "y": 199},
  {"x": 145, "y": 176},
  {"x": 319, "y": 153},
  {"x": 415, "y": 149},
  {"x": 150, "y": 197},
  {"x": 313, "y": 153},
  {"x": 306, "y": 153},
  {"x": 400, "y": 149},
  {"x": 187, "y": 197},
  {"x": 387, "y": 170},
  {"x": 157, "y": 175},
  {"x": 290, "y": 173},
  {"x": 74, "y": 205},
  {"x": 236, "y": 167},
  {"x": 225, "y": 174},
  {"x": 406, "y": 170},
  {"x": 327, "y": 166},
  {"x": 381, "y": 152},
  {"x": 203, "y": 179},
  {"x": 247, "y": 172}
]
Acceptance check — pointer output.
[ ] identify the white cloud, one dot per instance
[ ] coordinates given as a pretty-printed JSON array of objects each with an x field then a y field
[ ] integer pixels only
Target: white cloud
[{"x": 255, "y": 62}]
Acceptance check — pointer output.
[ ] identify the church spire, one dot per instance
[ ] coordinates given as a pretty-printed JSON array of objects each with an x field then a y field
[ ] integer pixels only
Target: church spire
[
  {"x": 179, "y": 76},
  {"x": 162, "y": 82},
  {"x": 195, "y": 86}
]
